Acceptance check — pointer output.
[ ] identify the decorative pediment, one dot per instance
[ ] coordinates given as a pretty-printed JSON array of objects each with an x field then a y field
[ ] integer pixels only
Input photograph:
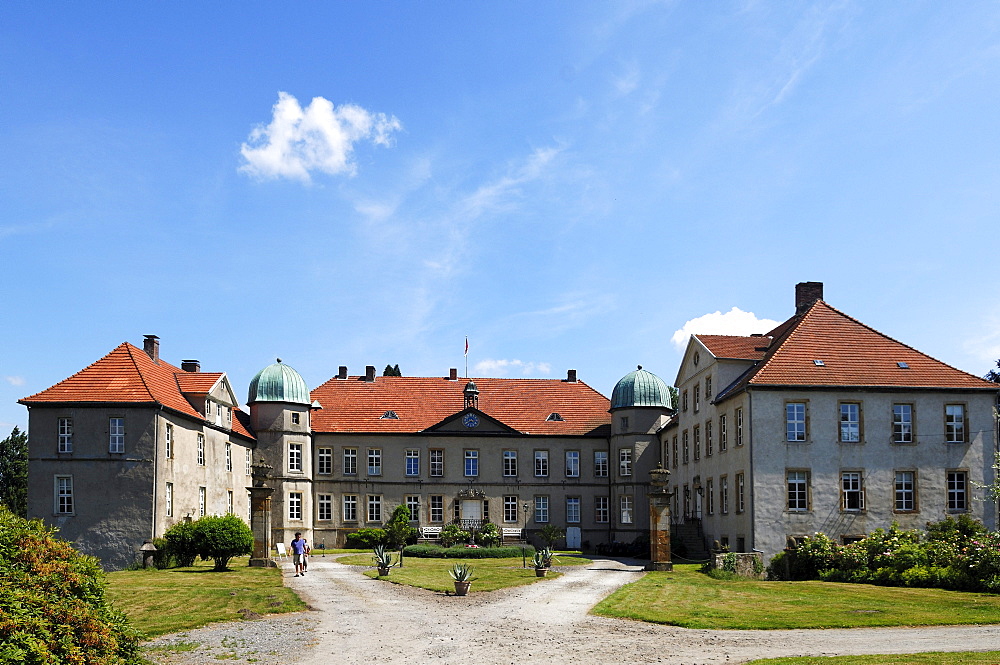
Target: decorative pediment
[{"x": 471, "y": 421}]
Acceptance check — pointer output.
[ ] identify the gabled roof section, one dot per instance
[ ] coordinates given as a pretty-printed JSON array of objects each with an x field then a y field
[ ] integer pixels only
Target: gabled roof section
[
  {"x": 354, "y": 405},
  {"x": 128, "y": 375},
  {"x": 487, "y": 424},
  {"x": 732, "y": 347},
  {"x": 199, "y": 383},
  {"x": 852, "y": 355}
]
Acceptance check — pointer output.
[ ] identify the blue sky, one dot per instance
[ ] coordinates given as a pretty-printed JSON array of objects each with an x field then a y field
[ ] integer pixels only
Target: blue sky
[{"x": 567, "y": 183}]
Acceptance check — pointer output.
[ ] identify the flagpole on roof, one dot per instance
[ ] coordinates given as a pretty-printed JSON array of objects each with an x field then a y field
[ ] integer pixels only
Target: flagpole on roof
[{"x": 466, "y": 356}]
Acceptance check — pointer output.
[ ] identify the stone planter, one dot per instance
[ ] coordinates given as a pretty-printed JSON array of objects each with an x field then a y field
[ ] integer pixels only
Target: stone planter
[
  {"x": 383, "y": 572},
  {"x": 541, "y": 572},
  {"x": 462, "y": 588}
]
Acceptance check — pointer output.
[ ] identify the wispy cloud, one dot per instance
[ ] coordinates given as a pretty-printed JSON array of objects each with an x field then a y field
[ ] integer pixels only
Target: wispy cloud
[
  {"x": 499, "y": 367},
  {"x": 318, "y": 138},
  {"x": 733, "y": 322},
  {"x": 14, "y": 380}
]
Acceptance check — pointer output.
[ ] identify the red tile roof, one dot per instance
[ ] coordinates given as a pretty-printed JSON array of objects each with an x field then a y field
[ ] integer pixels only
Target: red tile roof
[
  {"x": 199, "y": 383},
  {"x": 353, "y": 405},
  {"x": 852, "y": 354},
  {"x": 731, "y": 346},
  {"x": 128, "y": 375}
]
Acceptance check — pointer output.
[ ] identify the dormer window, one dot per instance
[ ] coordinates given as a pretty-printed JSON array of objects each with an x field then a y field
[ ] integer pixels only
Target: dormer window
[
  {"x": 554, "y": 417},
  {"x": 902, "y": 365},
  {"x": 389, "y": 415}
]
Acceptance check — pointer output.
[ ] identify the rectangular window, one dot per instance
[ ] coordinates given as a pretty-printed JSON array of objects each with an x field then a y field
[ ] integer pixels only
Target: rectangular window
[
  {"x": 600, "y": 464},
  {"x": 795, "y": 421},
  {"x": 572, "y": 509},
  {"x": 708, "y": 438},
  {"x": 798, "y": 491},
  {"x": 350, "y": 507},
  {"x": 66, "y": 435},
  {"x": 375, "y": 508},
  {"x": 324, "y": 461},
  {"x": 696, "y": 436},
  {"x": 601, "y": 511},
  {"x": 739, "y": 426},
  {"x": 723, "y": 434},
  {"x": 168, "y": 442},
  {"x": 741, "y": 502},
  {"x": 229, "y": 502},
  {"x": 710, "y": 497},
  {"x": 229, "y": 456},
  {"x": 626, "y": 506},
  {"x": 541, "y": 464},
  {"x": 697, "y": 399},
  {"x": 852, "y": 491},
  {"x": 350, "y": 461},
  {"x": 169, "y": 496},
  {"x": 413, "y": 505},
  {"x": 510, "y": 463},
  {"x": 906, "y": 492},
  {"x": 623, "y": 424},
  {"x": 625, "y": 461},
  {"x": 708, "y": 387},
  {"x": 202, "y": 500},
  {"x": 200, "y": 451},
  {"x": 850, "y": 422},
  {"x": 685, "y": 447},
  {"x": 374, "y": 461},
  {"x": 471, "y": 463},
  {"x": 295, "y": 505},
  {"x": 413, "y": 462},
  {"x": 295, "y": 419},
  {"x": 954, "y": 423},
  {"x": 295, "y": 457},
  {"x": 324, "y": 507},
  {"x": 724, "y": 494},
  {"x": 541, "y": 509},
  {"x": 116, "y": 437},
  {"x": 249, "y": 456},
  {"x": 958, "y": 491},
  {"x": 674, "y": 445},
  {"x": 437, "y": 463},
  {"x": 902, "y": 423},
  {"x": 437, "y": 508},
  {"x": 510, "y": 509},
  {"x": 684, "y": 401},
  {"x": 572, "y": 463},
  {"x": 64, "y": 495}
]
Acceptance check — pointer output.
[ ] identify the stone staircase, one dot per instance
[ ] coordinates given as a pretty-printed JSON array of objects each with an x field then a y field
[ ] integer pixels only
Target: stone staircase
[{"x": 688, "y": 537}]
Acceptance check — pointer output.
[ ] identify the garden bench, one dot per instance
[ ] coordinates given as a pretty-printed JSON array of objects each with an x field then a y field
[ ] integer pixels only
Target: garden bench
[
  {"x": 430, "y": 533},
  {"x": 513, "y": 533},
  {"x": 282, "y": 552}
]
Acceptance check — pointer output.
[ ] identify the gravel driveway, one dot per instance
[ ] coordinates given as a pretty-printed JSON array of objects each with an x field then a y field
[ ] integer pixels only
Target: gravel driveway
[{"x": 355, "y": 619}]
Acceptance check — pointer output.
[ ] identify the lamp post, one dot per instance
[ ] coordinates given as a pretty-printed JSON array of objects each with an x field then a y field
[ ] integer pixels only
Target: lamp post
[{"x": 524, "y": 548}]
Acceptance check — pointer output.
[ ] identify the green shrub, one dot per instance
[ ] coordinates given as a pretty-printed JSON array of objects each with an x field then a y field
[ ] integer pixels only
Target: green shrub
[
  {"x": 438, "y": 552},
  {"x": 180, "y": 543},
  {"x": 222, "y": 538},
  {"x": 398, "y": 531},
  {"x": 52, "y": 604},
  {"x": 452, "y": 534},
  {"x": 366, "y": 539},
  {"x": 549, "y": 534},
  {"x": 163, "y": 558},
  {"x": 489, "y": 535}
]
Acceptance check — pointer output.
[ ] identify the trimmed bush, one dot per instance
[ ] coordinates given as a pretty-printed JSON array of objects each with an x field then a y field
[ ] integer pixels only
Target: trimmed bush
[
  {"x": 222, "y": 538},
  {"x": 438, "y": 552},
  {"x": 365, "y": 539},
  {"x": 453, "y": 534},
  {"x": 180, "y": 543},
  {"x": 52, "y": 604}
]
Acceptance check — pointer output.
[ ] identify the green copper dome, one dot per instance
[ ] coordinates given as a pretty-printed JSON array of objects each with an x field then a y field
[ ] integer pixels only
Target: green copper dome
[
  {"x": 640, "y": 388},
  {"x": 278, "y": 383}
]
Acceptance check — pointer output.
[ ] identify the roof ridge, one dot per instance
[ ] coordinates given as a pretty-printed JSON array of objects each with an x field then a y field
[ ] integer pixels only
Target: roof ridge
[{"x": 129, "y": 347}]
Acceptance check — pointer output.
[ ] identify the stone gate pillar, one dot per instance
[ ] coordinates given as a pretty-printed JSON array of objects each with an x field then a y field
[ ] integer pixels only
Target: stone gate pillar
[
  {"x": 659, "y": 520},
  {"x": 260, "y": 516}
]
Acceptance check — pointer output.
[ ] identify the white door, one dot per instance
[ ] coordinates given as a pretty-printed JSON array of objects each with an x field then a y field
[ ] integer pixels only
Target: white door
[
  {"x": 472, "y": 510},
  {"x": 572, "y": 537}
]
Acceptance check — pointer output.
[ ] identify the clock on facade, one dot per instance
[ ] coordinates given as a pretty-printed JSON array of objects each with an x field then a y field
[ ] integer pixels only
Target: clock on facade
[{"x": 470, "y": 420}]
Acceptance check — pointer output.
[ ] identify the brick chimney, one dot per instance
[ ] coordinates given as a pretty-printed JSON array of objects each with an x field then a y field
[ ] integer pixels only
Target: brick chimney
[
  {"x": 806, "y": 293},
  {"x": 342, "y": 372},
  {"x": 191, "y": 365},
  {"x": 453, "y": 374},
  {"x": 571, "y": 376},
  {"x": 151, "y": 345},
  {"x": 370, "y": 373}
]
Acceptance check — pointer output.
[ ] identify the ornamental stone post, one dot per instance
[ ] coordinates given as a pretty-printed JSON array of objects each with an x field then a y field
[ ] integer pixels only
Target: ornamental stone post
[
  {"x": 260, "y": 516},
  {"x": 659, "y": 520}
]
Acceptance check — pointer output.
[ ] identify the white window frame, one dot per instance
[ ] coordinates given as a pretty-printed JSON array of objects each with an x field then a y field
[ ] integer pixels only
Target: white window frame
[
  {"x": 797, "y": 481},
  {"x": 202, "y": 501},
  {"x": 168, "y": 442},
  {"x": 724, "y": 494},
  {"x": 229, "y": 502},
  {"x": 436, "y": 462},
  {"x": 902, "y": 423},
  {"x": 374, "y": 507},
  {"x": 509, "y": 463},
  {"x": 541, "y": 509},
  {"x": 572, "y": 463},
  {"x": 696, "y": 440},
  {"x": 324, "y": 507},
  {"x": 437, "y": 508},
  {"x": 413, "y": 505},
  {"x": 116, "y": 434},
  {"x": 709, "y": 444},
  {"x": 412, "y": 462},
  {"x": 905, "y": 491},
  {"x": 572, "y": 510},
  {"x": 200, "y": 451},
  {"x": 65, "y": 427},
  {"x": 795, "y": 422},
  {"x": 471, "y": 463},
  {"x": 601, "y": 464},
  {"x": 602, "y": 510},
  {"x": 541, "y": 464},
  {"x": 295, "y": 457},
  {"x": 850, "y": 422},
  {"x": 626, "y": 504},
  {"x": 955, "y": 425},
  {"x": 852, "y": 490},
  {"x": 625, "y": 462},
  {"x": 350, "y": 461},
  {"x": 739, "y": 426},
  {"x": 958, "y": 490},
  {"x": 324, "y": 461},
  {"x": 295, "y": 506},
  {"x": 64, "y": 502},
  {"x": 350, "y": 507},
  {"x": 249, "y": 459},
  {"x": 710, "y": 497},
  {"x": 741, "y": 502},
  {"x": 229, "y": 456},
  {"x": 723, "y": 434},
  {"x": 374, "y": 461},
  {"x": 168, "y": 499},
  {"x": 510, "y": 511}
]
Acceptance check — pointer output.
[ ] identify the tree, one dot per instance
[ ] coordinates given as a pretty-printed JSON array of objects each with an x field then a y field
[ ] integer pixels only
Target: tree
[
  {"x": 181, "y": 544},
  {"x": 52, "y": 604},
  {"x": 549, "y": 534},
  {"x": 398, "y": 530},
  {"x": 222, "y": 538},
  {"x": 675, "y": 399},
  {"x": 390, "y": 370},
  {"x": 993, "y": 375},
  {"x": 14, "y": 472}
]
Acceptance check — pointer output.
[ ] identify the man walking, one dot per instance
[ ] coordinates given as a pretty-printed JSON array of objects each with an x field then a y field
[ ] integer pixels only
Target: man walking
[{"x": 299, "y": 548}]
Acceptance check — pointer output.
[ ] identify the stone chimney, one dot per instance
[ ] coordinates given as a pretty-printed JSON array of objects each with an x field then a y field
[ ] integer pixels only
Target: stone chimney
[
  {"x": 806, "y": 293},
  {"x": 370, "y": 373},
  {"x": 151, "y": 345},
  {"x": 453, "y": 374},
  {"x": 191, "y": 365},
  {"x": 342, "y": 372},
  {"x": 571, "y": 376}
]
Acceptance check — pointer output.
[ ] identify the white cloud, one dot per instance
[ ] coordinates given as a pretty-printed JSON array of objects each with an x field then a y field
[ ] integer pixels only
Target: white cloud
[
  {"x": 491, "y": 367},
  {"x": 14, "y": 380},
  {"x": 318, "y": 138},
  {"x": 733, "y": 322}
]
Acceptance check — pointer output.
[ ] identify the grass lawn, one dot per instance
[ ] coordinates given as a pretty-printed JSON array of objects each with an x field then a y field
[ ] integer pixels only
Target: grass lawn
[
  {"x": 935, "y": 658},
  {"x": 167, "y": 601},
  {"x": 687, "y": 598},
  {"x": 491, "y": 574}
]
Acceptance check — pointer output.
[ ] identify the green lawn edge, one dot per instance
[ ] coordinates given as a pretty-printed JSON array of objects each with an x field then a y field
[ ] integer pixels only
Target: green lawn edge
[{"x": 928, "y": 658}]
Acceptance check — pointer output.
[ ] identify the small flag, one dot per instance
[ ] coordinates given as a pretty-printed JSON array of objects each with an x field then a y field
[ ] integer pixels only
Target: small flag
[{"x": 466, "y": 346}]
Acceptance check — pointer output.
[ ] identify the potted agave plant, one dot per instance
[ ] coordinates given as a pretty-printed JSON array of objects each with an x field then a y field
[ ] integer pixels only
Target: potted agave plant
[
  {"x": 543, "y": 561},
  {"x": 462, "y": 574},
  {"x": 383, "y": 560}
]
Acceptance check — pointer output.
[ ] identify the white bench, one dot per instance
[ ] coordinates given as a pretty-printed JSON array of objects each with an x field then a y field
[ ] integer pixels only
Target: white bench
[
  {"x": 512, "y": 533},
  {"x": 282, "y": 552},
  {"x": 430, "y": 533}
]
